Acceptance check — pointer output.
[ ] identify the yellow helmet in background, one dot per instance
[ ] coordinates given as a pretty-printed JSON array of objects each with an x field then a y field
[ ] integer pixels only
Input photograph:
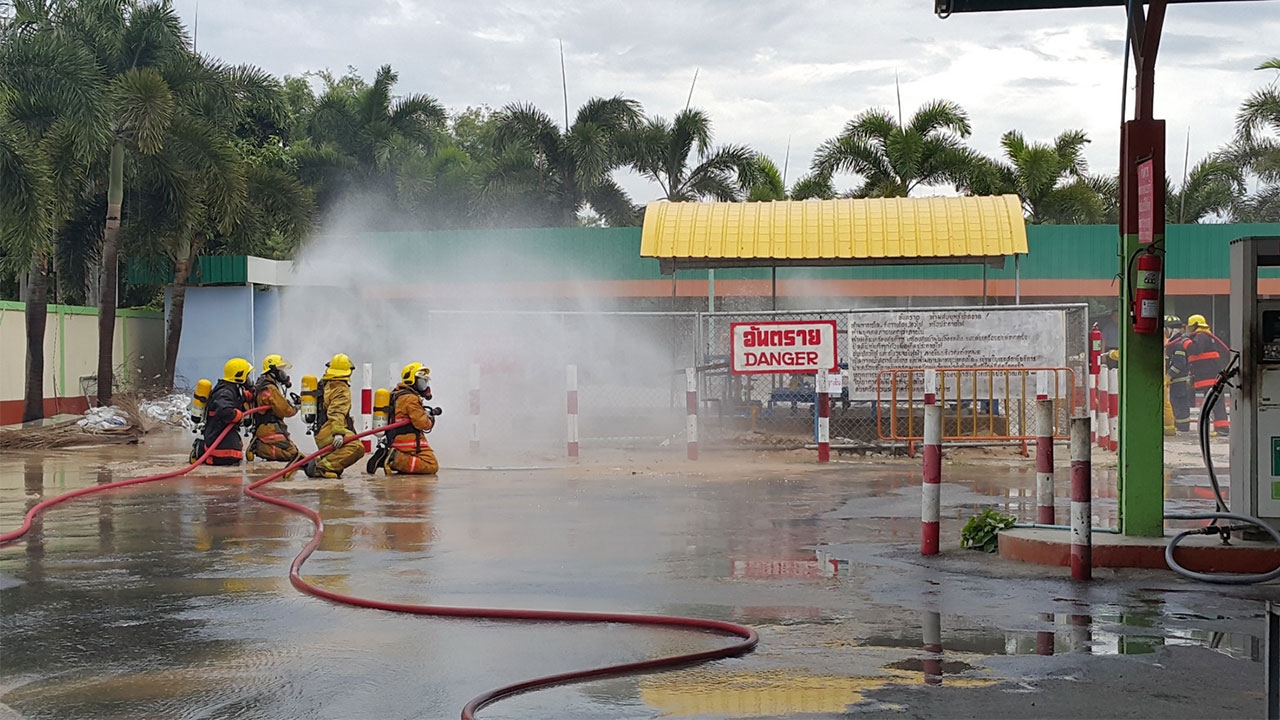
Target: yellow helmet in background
[
  {"x": 1197, "y": 321},
  {"x": 273, "y": 361},
  {"x": 237, "y": 370},
  {"x": 339, "y": 368},
  {"x": 413, "y": 370}
]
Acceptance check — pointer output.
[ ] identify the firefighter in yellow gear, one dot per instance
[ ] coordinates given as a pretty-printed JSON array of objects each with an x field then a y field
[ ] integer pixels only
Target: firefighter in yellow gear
[
  {"x": 333, "y": 421},
  {"x": 1206, "y": 356},
  {"x": 271, "y": 439},
  {"x": 405, "y": 449},
  {"x": 1177, "y": 375}
]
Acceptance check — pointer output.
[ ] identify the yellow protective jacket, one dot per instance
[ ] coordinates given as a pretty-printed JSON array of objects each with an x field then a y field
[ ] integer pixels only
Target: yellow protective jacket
[
  {"x": 273, "y": 396},
  {"x": 408, "y": 406},
  {"x": 337, "y": 410}
]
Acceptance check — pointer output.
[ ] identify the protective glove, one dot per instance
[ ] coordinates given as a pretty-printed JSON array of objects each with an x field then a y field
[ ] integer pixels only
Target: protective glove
[
  {"x": 337, "y": 441},
  {"x": 436, "y": 412},
  {"x": 294, "y": 400},
  {"x": 238, "y": 417}
]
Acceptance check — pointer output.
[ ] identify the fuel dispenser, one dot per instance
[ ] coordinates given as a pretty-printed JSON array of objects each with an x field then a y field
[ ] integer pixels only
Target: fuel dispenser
[{"x": 1255, "y": 409}]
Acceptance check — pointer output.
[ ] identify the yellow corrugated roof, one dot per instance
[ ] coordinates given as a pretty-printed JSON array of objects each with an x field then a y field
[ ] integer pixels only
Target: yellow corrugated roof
[{"x": 843, "y": 231}]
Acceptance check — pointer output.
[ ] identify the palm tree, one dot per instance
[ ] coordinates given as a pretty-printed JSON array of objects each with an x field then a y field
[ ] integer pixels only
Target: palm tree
[
  {"x": 893, "y": 158},
  {"x": 1051, "y": 178},
  {"x": 135, "y": 43},
  {"x": 663, "y": 151},
  {"x": 54, "y": 121},
  {"x": 770, "y": 185},
  {"x": 570, "y": 168},
  {"x": 360, "y": 134},
  {"x": 1256, "y": 126},
  {"x": 1257, "y": 148},
  {"x": 1212, "y": 187}
]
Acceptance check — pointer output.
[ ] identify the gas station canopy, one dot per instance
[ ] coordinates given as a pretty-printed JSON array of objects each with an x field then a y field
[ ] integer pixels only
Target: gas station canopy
[{"x": 863, "y": 231}]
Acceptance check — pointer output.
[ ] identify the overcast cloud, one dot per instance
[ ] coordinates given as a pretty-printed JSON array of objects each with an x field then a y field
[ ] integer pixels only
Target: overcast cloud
[{"x": 773, "y": 72}]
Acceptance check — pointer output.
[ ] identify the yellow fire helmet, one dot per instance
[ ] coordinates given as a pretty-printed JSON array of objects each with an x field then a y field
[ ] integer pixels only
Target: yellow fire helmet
[
  {"x": 237, "y": 370},
  {"x": 339, "y": 368},
  {"x": 1197, "y": 321},
  {"x": 413, "y": 370},
  {"x": 273, "y": 361}
]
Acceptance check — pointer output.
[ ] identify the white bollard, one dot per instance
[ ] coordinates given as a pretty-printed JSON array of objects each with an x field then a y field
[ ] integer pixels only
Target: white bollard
[
  {"x": 366, "y": 403},
  {"x": 691, "y": 407},
  {"x": 473, "y": 381},
  {"x": 823, "y": 409},
  {"x": 931, "y": 488},
  {"x": 1044, "y": 450},
  {"x": 571, "y": 391}
]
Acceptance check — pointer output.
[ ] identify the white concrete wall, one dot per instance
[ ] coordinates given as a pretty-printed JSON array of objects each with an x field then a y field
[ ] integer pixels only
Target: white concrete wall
[{"x": 71, "y": 349}]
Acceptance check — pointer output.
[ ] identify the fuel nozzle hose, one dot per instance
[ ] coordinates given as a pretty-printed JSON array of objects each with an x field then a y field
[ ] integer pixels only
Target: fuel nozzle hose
[
  {"x": 1211, "y": 399},
  {"x": 746, "y": 637}
]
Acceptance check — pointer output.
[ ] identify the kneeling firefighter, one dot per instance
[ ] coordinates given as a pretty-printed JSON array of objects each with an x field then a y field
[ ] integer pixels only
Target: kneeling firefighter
[
  {"x": 333, "y": 421},
  {"x": 271, "y": 439},
  {"x": 405, "y": 450},
  {"x": 228, "y": 401}
]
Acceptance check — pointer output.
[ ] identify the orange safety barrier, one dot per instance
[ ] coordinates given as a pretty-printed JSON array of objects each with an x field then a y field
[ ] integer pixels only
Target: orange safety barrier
[{"x": 979, "y": 404}]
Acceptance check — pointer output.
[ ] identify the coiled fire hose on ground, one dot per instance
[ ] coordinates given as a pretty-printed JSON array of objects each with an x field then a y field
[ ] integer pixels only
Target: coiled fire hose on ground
[{"x": 747, "y": 637}]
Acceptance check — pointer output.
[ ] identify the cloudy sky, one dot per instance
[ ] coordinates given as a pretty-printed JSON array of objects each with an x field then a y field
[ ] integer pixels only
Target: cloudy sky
[{"x": 774, "y": 72}]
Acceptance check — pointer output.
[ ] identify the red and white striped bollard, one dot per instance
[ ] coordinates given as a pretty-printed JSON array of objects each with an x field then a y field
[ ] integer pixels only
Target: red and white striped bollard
[
  {"x": 1093, "y": 406},
  {"x": 1044, "y": 450},
  {"x": 1113, "y": 408},
  {"x": 824, "y": 416},
  {"x": 1104, "y": 416},
  {"x": 691, "y": 409},
  {"x": 931, "y": 490},
  {"x": 366, "y": 403},
  {"x": 1081, "y": 501},
  {"x": 473, "y": 381},
  {"x": 571, "y": 391}
]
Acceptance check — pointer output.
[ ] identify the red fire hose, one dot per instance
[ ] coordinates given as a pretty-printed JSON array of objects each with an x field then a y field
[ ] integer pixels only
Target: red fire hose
[
  {"x": 747, "y": 636},
  {"x": 45, "y": 505}
]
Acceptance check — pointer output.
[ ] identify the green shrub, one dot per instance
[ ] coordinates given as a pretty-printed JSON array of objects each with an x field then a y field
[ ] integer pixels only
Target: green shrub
[{"x": 982, "y": 531}]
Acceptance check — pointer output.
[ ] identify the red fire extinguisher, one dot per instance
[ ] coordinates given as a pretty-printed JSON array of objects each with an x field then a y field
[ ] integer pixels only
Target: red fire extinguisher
[
  {"x": 1146, "y": 295},
  {"x": 1095, "y": 349}
]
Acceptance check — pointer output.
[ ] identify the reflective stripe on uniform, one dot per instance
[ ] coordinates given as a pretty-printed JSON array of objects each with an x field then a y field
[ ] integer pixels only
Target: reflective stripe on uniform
[
  {"x": 1202, "y": 384},
  {"x": 226, "y": 453},
  {"x": 1211, "y": 355}
]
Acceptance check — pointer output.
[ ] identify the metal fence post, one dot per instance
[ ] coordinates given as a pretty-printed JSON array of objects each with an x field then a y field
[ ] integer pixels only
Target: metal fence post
[
  {"x": 571, "y": 391},
  {"x": 1081, "y": 500},
  {"x": 1044, "y": 450},
  {"x": 930, "y": 522}
]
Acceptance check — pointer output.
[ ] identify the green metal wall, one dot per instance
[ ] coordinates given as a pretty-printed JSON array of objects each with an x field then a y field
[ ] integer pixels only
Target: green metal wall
[{"x": 1086, "y": 252}]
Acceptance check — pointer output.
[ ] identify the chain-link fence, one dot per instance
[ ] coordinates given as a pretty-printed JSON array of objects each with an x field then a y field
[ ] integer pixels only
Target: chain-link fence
[{"x": 631, "y": 382}]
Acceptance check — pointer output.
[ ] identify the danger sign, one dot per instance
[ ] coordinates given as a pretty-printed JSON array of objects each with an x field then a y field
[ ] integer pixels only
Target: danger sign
[{"x": 794, "y": 346}]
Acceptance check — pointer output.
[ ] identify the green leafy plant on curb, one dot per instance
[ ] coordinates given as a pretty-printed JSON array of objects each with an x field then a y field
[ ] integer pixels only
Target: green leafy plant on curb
[{"x": 983, "y": 530}]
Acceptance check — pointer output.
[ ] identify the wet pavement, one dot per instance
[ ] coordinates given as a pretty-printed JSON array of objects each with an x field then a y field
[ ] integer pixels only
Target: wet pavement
[{"x": 171, "y": 600}]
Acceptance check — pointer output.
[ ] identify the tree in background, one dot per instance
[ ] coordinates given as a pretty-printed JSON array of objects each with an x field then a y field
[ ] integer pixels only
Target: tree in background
[
  {"x": 570, "y": 169},
  {"x": 665, "y": 152},
  {"x": 1051, "y": 178},
  {"x": 770, "y": 185},
  {"x": 893, "y": 159},
  {"x": 1257, "y": 149},
  {"x": 53, "y": 122},
  {"x": 1213, "y": 187}
]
